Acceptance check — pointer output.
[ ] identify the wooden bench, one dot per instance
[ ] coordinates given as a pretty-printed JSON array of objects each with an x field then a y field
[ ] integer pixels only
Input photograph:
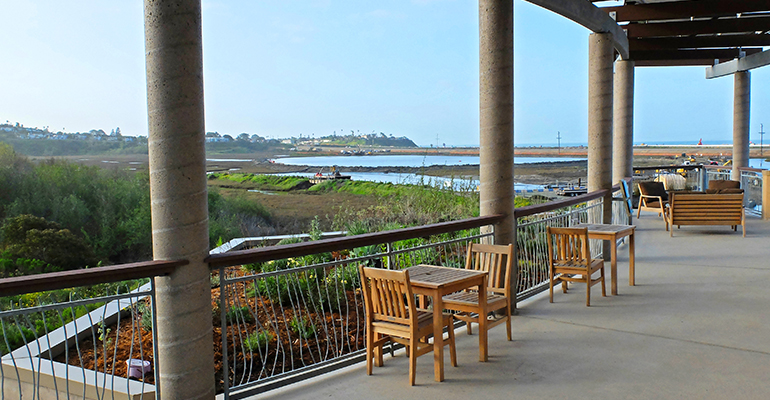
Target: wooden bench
[{"x": 706, "y": 209}]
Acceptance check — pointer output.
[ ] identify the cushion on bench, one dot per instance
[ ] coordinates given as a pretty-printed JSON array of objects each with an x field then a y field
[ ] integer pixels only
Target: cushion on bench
[{"x": 724, "y": 184}]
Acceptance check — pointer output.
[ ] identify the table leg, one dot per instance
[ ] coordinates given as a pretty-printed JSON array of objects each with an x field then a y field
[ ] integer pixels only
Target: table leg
[
  {"x": 614, "y": 266},
  {"x": 631, "y": 260},
  {"x": 483, "y": 343},
  {"x": 438, "y": 337}
]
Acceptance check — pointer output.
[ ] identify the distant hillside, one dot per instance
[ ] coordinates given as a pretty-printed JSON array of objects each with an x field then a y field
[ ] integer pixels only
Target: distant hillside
[
  {"x": 372, "y": 139},
  {"x": 42, "y": 142}
]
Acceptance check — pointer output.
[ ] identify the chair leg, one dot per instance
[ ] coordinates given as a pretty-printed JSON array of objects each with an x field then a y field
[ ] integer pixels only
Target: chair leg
[
  {"x": 564, "y": 286},
  {"x": 412, "y": 360},
  {"x": 468, "y": 325},
  {"x": 369, "y": 351},
  {"x": 378, "y": 352},
  {"x": 604, "y": 290},
  {"x": 550, "y": 285},
  {"x": 588, "y": 291},
  {"x": 508, "y": 321},
  {"x": 452, "y": 348},
  {"x": 638, "y": 210}
]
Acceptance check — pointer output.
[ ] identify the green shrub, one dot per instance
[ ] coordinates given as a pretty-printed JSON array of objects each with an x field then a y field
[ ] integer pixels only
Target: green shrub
[
  {"x": 34, "y": 245},
  {"x": 258, "y": 340},
  {"x": 302, "y": 327},
  {"x": 240, "y": 314}
]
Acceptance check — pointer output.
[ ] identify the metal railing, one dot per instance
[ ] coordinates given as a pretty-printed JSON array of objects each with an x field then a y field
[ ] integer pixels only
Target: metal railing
[
  {"x": 751, "y": 183},
  {"x": 692, "y": 176},
  {"x": 288, "y": 313},
  {"x": 73, "y": 334},
  {"x": 531, "y": 242}
]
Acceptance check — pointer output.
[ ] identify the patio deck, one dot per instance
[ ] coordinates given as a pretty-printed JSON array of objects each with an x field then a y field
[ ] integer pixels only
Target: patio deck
[{"x": 694, "y": 326}]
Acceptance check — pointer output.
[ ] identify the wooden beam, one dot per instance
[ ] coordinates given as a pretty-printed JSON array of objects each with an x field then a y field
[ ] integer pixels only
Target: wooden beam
[
  {"x": 675, "y": 63},
  {"x": 589, "y": 16},
  {"x": 745, "y": 24},
  {"x": 742, "y": 64},
  {"x": 693, "y": 42},
  {"x": 712, "y": 54},
  {"x": 685, "y": 9}
]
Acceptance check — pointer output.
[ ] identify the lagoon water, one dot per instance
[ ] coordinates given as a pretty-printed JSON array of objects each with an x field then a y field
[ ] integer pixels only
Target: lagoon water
[
  {"x": 759, "y": 163},
  {"x": 409, "y": 161},
  {"x": 414, "y": 179},
  {"x": 403, "y": 160}
]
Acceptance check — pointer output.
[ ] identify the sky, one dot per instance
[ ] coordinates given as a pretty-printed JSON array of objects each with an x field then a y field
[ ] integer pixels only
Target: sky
[{"x": 281, "y": 68}]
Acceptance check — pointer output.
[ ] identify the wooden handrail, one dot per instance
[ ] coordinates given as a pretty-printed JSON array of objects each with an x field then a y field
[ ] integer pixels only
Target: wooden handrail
[
  {"x": 554, "y": 205},
  {"x": 670, "y": 167},
  {"x": 730, "y": 167},
  {"x": 696, "y": 167},
  {"x": 86, "y": 277},
  {"x": 262, "y": 254}
]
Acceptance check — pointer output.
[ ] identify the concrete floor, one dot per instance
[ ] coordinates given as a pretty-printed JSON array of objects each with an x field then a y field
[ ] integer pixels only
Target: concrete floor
[{"x": 695, "y": 326}]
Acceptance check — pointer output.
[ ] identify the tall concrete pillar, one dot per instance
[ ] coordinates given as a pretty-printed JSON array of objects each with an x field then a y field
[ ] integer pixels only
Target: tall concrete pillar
[
  {"x": 173, "y": 46},
  {"x": 496, "y": 118},
  {"x": 600, "y": 104},
  {"x": 496, "y": 113},
  {"x": 600, "y": 79},
  {"x": 741, "y": 116},
  {"x": 623, "y": 121}
]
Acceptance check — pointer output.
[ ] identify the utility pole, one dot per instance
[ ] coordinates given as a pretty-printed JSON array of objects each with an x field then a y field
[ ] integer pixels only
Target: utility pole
[
  {"x": 761, "y": 136},
  {"x": 558, "y": 141}
]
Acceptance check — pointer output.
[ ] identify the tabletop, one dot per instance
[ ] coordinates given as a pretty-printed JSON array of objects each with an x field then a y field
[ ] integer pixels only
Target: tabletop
[
  {"x": 435, "y": 276},
  {"x": 602, "y": 228}
]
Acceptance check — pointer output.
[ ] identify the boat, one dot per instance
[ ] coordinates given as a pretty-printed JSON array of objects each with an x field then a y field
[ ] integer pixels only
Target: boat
[{"x": 334, "y": 174}]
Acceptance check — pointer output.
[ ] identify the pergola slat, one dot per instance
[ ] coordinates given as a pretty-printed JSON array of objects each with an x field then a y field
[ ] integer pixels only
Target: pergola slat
[
  {"x": 685, "y": 9},
  {"x": 692, "y": 32},
  {"x": 694, "y": 42},
  {"x": 736, "y": 25}
]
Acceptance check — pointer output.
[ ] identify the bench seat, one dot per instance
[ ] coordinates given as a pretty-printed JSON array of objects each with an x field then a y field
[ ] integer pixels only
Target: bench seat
[{"x": 706, "y": 209}]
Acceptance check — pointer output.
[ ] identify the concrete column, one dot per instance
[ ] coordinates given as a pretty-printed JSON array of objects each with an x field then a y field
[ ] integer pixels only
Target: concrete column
[
  {"x": 766, "y": 195},
  {"x": 496, "y": 113},
  {"x": 623, "y": 121},
  {"x": 600, "y": 79},
  {"x": 496, "y": 118},
  {"x": 741, "y": 114},
  {"x": 173, "y": 46}
]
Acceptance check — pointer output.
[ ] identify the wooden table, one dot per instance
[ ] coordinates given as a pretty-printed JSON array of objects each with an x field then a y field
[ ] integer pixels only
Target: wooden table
[
  {"x": 436, "y": 282},
  {"x": 613, "y": 233}
]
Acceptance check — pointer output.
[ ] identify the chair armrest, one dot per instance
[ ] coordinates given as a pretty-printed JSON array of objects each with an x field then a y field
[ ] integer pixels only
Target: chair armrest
[{"x": 660, "y": 198}]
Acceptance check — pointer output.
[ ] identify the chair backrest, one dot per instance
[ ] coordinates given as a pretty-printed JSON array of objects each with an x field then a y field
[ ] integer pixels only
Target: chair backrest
[
  {"x": 568, "y": 246},
  {"x": 388, "y": 295},
  {"x": 653, "y": 189},
  {"x": 495, "y": 260}
]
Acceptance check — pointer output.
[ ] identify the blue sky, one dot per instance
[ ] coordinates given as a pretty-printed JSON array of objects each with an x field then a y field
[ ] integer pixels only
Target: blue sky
[{"x": 284, "y": 68}]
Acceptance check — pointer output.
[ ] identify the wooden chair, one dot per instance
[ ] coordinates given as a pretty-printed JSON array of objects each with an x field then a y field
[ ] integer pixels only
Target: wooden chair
[
  {"x": 496, "y": 260},
  {"x": 391, "y": 315},
  {"x": 569, "y": 255},
  {"x": 653, "y": 197}
]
